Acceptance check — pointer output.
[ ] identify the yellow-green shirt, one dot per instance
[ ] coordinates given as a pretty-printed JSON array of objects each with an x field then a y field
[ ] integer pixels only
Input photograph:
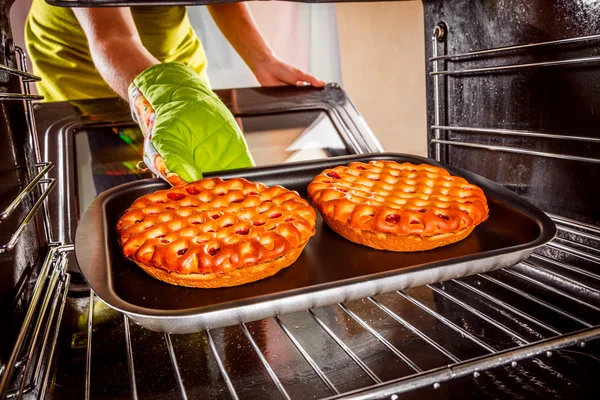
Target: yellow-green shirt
[{"x": 59, "y": 53}]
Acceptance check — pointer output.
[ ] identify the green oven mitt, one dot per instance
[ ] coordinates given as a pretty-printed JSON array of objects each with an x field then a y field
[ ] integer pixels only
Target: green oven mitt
[{"x": 187, "y": 129}]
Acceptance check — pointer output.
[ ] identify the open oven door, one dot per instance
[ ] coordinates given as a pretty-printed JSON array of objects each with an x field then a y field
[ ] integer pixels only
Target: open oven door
[{"x": 97, "y": 146}]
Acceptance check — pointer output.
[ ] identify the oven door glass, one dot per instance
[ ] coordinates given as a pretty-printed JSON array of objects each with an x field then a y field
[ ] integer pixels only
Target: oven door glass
[{"x": 107, "y": 156}]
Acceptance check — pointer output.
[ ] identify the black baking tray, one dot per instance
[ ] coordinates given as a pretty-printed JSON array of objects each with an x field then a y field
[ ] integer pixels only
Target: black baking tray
[{"x": 330, "y": 270}]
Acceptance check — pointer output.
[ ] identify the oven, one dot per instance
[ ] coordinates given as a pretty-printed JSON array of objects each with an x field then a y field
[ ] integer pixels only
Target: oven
[
  {"x": 511, "y": 96},
  {"x": 95, "y": 145}
]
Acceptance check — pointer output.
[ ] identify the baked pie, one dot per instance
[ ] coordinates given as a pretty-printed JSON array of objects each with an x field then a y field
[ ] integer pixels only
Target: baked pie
[
  {"x": 399, "y": 207},
  {"x": 214, "y": 233}
]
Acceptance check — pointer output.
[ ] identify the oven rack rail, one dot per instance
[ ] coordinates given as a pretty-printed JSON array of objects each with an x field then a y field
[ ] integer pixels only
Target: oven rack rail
[
  {"x": 42, "y": 168},
  {"x": 27, "y": 368},
  {"x": 502, "y": 290},
  {"x": 439, "y": 62}
]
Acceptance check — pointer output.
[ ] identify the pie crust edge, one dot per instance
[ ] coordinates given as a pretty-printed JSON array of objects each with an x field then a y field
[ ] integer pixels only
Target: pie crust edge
[
  {"x": 394, "y": 242},
  {"x": 230, "y": 278}
]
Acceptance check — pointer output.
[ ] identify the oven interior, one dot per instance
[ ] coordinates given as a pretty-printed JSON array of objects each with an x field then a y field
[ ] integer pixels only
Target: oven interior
[{"x": 514, "y": 104}]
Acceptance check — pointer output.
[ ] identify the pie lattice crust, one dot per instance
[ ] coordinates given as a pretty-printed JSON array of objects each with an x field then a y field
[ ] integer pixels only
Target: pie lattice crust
[
  {"x": 214, "y": 233},
  {"x": 399, "y": 207}
]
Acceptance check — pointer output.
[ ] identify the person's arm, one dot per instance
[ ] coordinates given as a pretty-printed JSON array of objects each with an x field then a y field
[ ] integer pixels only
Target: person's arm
[
  {"x": 115, "y": 45},
  {"x": 237, "y": 25}
]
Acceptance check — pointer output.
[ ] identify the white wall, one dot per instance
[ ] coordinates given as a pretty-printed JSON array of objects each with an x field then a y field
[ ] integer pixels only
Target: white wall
[
  {"x": 382, "y": 49},
  {"x": 18, "y": 15},
  {"x": 304, "y": 35}
]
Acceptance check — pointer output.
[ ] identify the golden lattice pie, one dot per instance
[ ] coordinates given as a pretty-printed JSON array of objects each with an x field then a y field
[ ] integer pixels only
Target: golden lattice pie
[
  {"x": 398, "y": 207},
  {"x": 215, "y": 233}
]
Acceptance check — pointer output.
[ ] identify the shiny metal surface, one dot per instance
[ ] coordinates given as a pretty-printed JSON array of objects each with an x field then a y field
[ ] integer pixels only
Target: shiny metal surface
[
  {"x": 343, "y": 345},
  {"x": 473, "y": 367},
  {"x": 498, "y": 68},
  {"x": 18, "y": 96},
  {"x": 213, "y": 349},
  {"x": 23, "y": 224},
  {"x": 517, "y": 151},
  {"x": 173, "y": 357},
  {"x": 48, "y": 368},
  {"x": 34, "y": 134},
  {"x": 19, "y": 267},
  {"x": 400, "y": 342},
  {"x": 29, "y": 303},
  {"x": 37, "y": 293},
  {"x": 510, "y": 234},
  {"x": 436, "y": 89},
  {"x": 46, "y": 184},
  {"x": 131, "y": 368},
  {"x": 52, "y": 283},
  {"x": 88, "y": 357},
  {"x": 576, "y": 224},
  {"x": 516, "y": 47},
  {"x": 516, "y": 133},
  {"x": 15, "y": 203},
  {"x": 62, "y": 287},
  {"x": 42, "y": 318},
  {"x": 27, "y": 77},
  {"x": 508, "y": 112},
  {"x": 527, "y": 331}
]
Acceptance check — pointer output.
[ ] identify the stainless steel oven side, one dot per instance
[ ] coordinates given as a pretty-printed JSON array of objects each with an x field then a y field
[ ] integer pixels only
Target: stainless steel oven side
[
  {"x": 513, "y": 97},
  {"x": 33, "y": 283}
]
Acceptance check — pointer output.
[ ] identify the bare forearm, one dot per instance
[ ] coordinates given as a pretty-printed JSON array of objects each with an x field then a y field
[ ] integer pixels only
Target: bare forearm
[
  {"x": 119, "y": 62},
  {"x": 238, "y": 26},
  {"x": 115, "y": 45}
]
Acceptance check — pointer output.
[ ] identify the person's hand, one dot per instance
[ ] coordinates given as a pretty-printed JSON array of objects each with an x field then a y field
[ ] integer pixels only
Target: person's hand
[
  {"x": 274, "y": 72},
  {"x": 188, "y": 130}
]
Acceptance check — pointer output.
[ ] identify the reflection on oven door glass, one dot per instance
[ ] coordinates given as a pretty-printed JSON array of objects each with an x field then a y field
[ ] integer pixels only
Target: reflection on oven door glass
[
  {"x": 107, "y": 156},
  {"x": 293, "y": 136}
]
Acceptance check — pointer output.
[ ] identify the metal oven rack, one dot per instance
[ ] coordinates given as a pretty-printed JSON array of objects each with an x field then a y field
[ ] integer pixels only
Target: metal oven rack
[
  {"x": 26, "y": 368},
  {"x": 43, "y": 167},
  {"x": 439, "y": 34},
  {"x": 378, "y": 347}
]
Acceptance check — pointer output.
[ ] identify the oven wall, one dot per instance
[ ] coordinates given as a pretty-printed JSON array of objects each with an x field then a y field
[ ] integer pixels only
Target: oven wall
[
  {"x": 18, "y": 267},
  {"x": 560, "y": 100}
]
